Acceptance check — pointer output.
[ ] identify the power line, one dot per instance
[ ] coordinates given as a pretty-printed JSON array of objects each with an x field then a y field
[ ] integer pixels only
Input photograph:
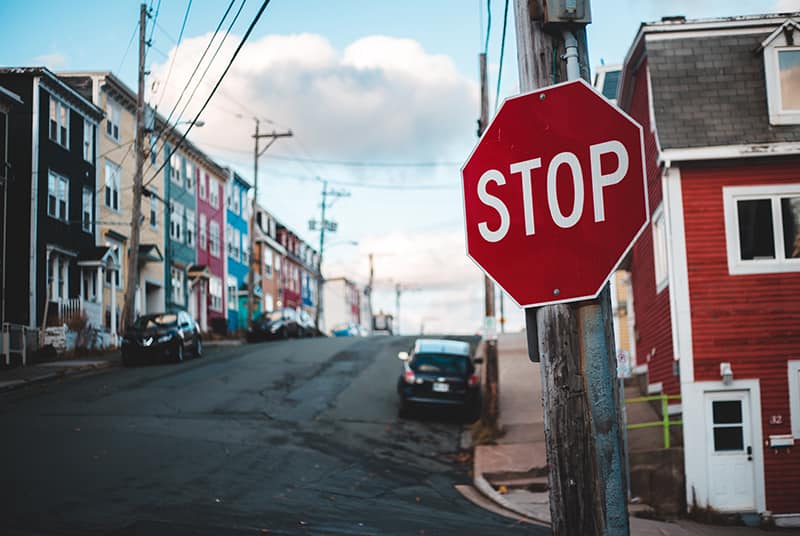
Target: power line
[
  {"x": 502, "y": 51},
  {"x": 488, "y": 25},
  {"x": 178, "y": 44},
  {"x": 214, "y": 90},
  {"x": 194, "y": 71},
  {"x": 155, "y": 20},
  {"x": 128, "y": 49}
]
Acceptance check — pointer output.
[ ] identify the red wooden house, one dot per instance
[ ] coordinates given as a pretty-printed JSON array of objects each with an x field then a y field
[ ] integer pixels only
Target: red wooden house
[{"x": 716, "y": 278}]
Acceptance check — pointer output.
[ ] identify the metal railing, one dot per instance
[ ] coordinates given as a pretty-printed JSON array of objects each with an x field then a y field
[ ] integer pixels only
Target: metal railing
[
  {"x": 15, "y": 340},
  {"x": 665, "y": 421}
]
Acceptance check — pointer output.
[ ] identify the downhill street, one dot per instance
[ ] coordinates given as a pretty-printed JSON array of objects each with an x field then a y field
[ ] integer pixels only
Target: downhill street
[{"x": 289, "y": 437}]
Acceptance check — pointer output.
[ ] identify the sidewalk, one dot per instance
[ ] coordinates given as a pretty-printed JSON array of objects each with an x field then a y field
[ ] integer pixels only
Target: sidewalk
[
  {"x": 516, "y": 464},
  {"x": 17, "y": 376}
]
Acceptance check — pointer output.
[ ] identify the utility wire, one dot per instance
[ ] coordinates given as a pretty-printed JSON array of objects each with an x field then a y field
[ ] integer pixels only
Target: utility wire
[
  {"x": 128, "y": 49},
  {"x": 172, "y": 62},
  {"x": 155, "y": 20},
  {"x": 502, "y": 51},
  {"x": 214, "y": 90},
  {"x": 488, "y": 25},
  {"x": 194, "y": 71}
]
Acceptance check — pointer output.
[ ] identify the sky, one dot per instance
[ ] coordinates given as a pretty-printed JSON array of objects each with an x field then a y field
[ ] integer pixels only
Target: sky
[{"x": 382, "y": 100}]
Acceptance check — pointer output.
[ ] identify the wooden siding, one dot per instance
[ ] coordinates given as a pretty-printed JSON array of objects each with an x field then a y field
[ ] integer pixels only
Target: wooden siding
[
  {"x": 651, "y": 308},
  {"x": 751, "y": 321}
]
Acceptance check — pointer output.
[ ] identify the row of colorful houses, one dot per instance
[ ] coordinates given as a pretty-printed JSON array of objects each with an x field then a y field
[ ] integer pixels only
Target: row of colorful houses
[
  {"x": 68, "y": 143},
  {"x": 708, "y": 304}
]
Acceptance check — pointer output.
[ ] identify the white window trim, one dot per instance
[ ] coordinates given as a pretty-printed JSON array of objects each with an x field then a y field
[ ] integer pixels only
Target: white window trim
[
  {"x": 216, "y": 302},
  {"x": 202, "y": 181},
  {"x": 88, "y": 141},
  {"x": 777, "y": 115},
  {"x": 794, "y": 396},
  {"x": 214, "y": 241},
  {"x": 58, "y": 180},
  {"x": 660, "y": 248},
  {"x": 153, "y": 210},
  {"x": 57, "y": 106},
  {"x": 732, "y": 194},
  {"x": 114, "y": 183},
  {"x": 189, "y": 170},
  {"x": 84, "y": 208},
  {"x": 114, "y": 112},
  {"x": 190, "y": 227},
  {"x": 202, "y": 233},
  {"x": 175, "y": 170},
  {"x": 176, "y": 221}
]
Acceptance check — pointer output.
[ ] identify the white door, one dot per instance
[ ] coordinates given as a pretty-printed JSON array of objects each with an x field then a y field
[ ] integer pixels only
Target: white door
[{"x": 731, "y": 469}]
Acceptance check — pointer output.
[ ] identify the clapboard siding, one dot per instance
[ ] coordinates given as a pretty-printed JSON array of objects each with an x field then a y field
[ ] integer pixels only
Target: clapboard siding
[
  {"x": 750, "y": 321},
  {"x": 653, "y": 327}
]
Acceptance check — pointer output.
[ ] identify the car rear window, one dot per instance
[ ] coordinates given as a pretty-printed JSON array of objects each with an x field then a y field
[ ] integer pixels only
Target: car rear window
[
  {"x": 442, "y": 364},
  {"x": 154, "y": 321}
]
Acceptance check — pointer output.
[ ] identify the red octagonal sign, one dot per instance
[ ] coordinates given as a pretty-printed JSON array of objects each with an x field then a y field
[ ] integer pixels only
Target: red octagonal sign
[{"x": 555, "y": 194}]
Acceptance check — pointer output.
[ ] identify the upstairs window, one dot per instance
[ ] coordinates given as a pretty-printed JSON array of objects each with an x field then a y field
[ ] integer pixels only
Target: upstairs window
[
  {"x": 202, "y": 234},
  {"x": 88, "y": 206},
  {"x": 190, "y": 225},
  {"x": 153, "y": 212},
  {"x": 213, "y": 192},
  {"x": 57, "y": 196},
  {"x": 202, "y": 179},
  {"x": 762, "y": 228},
  {"x": 213, "y": 244},
  {"x": 175, "y": 168},
  {"x": 88, "y": 141},
  {"x": 782, "y": 72},
  {"x": 112, "y": 185},
  {"x": 113, "y": 112},
  {"x": 189, "y": 174},
  {"x": 176, "y": 221},
  {"x": 59, "y": 122}
]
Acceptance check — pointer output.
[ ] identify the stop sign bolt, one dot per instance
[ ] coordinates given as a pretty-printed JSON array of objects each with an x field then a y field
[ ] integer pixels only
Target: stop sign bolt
[{"x": 556, "y": 292}]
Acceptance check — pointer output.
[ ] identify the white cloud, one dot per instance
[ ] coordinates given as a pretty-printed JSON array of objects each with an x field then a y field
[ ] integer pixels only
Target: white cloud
[
  {"x": 786, "y": 6},
  {"x": 52, "y": 61},
  {"x": 382, "y": 97}
]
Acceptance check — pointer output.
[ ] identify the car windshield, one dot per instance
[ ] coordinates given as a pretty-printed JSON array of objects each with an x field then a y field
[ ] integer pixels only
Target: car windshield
[
  {"x": 442, "y": 364},
  {"x": 156, "y": 321}
]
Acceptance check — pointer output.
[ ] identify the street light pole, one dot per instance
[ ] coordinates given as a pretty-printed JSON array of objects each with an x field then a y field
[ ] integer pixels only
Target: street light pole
[{"x": 255, "y": 261}]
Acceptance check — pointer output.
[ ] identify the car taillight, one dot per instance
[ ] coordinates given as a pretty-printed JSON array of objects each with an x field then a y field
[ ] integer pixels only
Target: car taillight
[
  {"x": 409, "y": 377},
  {"x": 473, "y": 380}
]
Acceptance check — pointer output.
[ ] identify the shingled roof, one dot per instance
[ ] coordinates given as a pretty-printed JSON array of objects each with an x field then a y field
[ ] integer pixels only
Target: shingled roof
[{"x": 708, "y": 84}]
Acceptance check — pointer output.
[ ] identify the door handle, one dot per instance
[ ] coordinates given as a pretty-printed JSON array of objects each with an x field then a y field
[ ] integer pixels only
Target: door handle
[{"x": 749, "y": 454}]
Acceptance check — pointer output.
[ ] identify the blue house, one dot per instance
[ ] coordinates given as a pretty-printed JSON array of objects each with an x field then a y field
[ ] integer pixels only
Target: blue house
[{"x": 237, "y": 248}]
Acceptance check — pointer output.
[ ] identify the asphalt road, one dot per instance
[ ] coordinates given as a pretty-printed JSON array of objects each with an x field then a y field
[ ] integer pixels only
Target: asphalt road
[{"x": 289, "y": 437}]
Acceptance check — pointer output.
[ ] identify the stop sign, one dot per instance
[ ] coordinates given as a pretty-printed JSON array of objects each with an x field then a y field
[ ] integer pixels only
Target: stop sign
[{"x": 554, "y": 194}]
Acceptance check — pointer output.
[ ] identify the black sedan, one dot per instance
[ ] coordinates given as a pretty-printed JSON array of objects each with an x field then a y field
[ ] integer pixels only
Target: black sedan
[
  {"x": 278, "y": 324},
  {"x": 160, "y": 337},
  {"x": 439, "y": 372}
]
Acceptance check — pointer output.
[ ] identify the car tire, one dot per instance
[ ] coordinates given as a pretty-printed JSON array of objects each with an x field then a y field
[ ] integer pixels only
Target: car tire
[
  {"x": 198, "y": 347},
  {"x": 179, "y": 352},
  {"x": 405, "y": 410},
  {"x": 127, "y": 359},
  {"x": 284, "y": 334}
]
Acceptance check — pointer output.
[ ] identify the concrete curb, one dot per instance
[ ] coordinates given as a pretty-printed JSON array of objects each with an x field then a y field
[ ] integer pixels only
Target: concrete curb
[
  {"x": 482, "y": 485},
  {"x": 67, "y": 370}
]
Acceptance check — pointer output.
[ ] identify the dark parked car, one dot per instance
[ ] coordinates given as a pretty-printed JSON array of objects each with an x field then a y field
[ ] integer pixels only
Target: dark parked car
[
  {"x": 279, "y": 324},
  {"x": 161, "y": 336},
  {"x": 439, "y": 372}
]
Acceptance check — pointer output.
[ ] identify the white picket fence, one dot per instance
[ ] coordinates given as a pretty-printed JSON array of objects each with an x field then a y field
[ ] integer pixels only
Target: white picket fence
[{"x": 69, "y": 309}]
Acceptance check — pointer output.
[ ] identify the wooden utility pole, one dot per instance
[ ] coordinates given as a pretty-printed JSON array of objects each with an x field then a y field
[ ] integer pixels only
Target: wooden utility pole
[
  {"x": 490, "y": 407},
  {"x": 324, "y": 225},
  {"x": 255, "y": 260},
  {"x": 132, "y": 275},
  {"x": 574, "y": 342}
]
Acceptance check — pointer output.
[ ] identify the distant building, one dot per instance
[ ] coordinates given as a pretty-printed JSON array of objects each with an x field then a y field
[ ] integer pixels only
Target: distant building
[
  {"x": 341, "y": 303},
  {"x": 716, "y": 275},
  {"x": 237, "y": 239}
]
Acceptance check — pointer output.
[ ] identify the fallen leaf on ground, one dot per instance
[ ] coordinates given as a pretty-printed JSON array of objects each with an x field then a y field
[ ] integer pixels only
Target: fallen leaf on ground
[{"x": 502, "y": 490}]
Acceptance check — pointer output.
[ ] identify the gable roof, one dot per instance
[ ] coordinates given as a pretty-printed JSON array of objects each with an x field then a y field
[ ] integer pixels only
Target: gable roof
[{"x": 707, "y": 81}]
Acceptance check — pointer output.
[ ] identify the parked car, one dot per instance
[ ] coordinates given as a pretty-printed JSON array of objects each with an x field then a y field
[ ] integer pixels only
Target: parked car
[
  {"x": 439, "y": 372},
  {"x": 278, "y": 324},
  {"x": 307, "y": 327},
  {"x": 161, "y": 336}
]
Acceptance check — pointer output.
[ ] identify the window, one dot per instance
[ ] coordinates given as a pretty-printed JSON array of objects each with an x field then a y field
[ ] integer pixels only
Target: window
[
  {"x": 189, "y": 174},
  {"x": 235, "y": 199},
  {"x": 190, "y": 227},
  {"x": 215, "y": 290},
  {"x": 88, "y": 141},
  {"x": 59, "y": 122},
  {"x": 268, "y": 264},
  {"x": 175, "y": 168},
  {"x": 112, "y": 185},
  {"x": 233, "y": 288},
  {"x": 176, "y": 221},
  {"x": 236, "y": 242},
  {"x": 660, "y": 249},
  {"x": 57, "y": 196},
  {"x": 88, "y": 205},
  {"x": 153, "y": 212},
  {"x": 202, "y": 232},
  {"x": 177, "y": 285},
  {"x": 782, "y": 72},
  {"x": 762, "y": 228},
  {"x": 58, "y": 277},
  {"x": 202, "y": 179},
  {"x": 153, "y": 149},
  {"x": 229, "y": 195},
  {"x": 213, "y": 244},
  {"x": 113, "y": 112},
  {"x": 245, "y": 250},
  {"x": 794, "y": 396},
  {"x": 213, "y": 192},
  {"x": 229, "y": 239}
]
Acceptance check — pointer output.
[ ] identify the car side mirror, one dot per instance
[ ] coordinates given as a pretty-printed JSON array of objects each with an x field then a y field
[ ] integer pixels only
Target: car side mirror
[
  {"x": 403, "y": 356},
  {"x": 478, "y": 360}
]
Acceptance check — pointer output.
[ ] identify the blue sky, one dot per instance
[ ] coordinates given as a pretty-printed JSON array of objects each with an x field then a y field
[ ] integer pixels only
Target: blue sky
[{"x": 359, "y": 81}]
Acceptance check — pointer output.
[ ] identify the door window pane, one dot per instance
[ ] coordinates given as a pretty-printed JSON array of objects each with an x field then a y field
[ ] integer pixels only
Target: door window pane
[
  {"x": 727, "y": 412},
  {"x": 728, "y": 438},
  {"x": 790, "y": 214},
  {"x": 756, "y": 237}
]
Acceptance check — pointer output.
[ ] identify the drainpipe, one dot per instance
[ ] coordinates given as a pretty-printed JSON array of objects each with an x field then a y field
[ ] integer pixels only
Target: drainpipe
[{"x": 573, "y": 66}]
